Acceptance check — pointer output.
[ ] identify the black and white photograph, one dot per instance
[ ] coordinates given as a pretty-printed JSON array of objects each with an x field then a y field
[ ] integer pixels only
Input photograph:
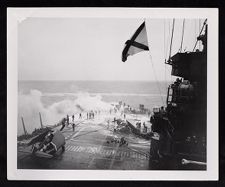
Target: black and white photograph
[{"x": 114, "y": 92}]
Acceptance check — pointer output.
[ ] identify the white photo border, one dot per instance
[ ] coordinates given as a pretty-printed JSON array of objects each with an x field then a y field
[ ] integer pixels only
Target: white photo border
[{"x": 16, "y": 15}]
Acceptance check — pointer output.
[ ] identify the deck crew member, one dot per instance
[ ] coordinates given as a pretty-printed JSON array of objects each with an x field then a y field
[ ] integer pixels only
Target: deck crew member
[
  {"x": 63, "y": 123},
  {"x": 144, "y": 128},
  {"x": 73, "y": 125},
  {"x": 67, "y": 119}
]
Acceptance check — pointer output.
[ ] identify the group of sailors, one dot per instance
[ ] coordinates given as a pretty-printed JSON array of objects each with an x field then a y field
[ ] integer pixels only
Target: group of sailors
[
  {"x": 145, "y": 128},
  {"x": 91, "y": 115},
  {"x": 66, "y": 121}
]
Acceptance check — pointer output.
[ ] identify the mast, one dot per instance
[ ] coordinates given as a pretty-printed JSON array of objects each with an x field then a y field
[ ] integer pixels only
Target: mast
[
  {"x": 182, "y": 36},
  {"x": 24, "y": 129},
  {"x": 171, "y": 42},
  {"x": 41, "y": 120}
]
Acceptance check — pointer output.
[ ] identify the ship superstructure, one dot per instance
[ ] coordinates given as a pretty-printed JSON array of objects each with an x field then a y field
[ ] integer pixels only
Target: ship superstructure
[{"x": 182, "y": 126}]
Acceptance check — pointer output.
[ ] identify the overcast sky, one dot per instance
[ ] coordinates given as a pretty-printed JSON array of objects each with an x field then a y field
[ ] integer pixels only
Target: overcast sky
[{"x": 90, "y": 48}]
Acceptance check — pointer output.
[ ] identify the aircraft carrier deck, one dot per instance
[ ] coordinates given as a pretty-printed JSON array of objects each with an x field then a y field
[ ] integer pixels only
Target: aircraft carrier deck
[{"x": 92, "y": 146}]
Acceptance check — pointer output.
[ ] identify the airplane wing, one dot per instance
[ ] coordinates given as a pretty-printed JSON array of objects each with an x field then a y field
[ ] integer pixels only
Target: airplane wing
[{"x": 39, "y": 137}]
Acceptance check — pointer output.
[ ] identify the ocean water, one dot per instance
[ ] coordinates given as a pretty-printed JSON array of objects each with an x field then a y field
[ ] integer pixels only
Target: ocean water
[{"x": 55, "y": 99}]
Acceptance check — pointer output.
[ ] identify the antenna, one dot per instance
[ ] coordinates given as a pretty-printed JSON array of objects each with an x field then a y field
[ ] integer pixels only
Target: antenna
[{"x": 200, "y": 33}]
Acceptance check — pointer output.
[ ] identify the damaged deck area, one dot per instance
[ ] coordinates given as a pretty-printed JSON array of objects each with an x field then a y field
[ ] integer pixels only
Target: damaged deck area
[{"x": 94, "y": 144}]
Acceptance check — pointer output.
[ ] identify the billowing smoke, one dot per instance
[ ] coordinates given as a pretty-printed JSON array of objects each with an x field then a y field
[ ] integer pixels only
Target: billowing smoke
[{"x": 29, "y": 106}]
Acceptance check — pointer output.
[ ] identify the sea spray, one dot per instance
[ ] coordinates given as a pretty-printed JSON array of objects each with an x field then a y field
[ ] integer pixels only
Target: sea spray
[{"x": 29, "y": 106}]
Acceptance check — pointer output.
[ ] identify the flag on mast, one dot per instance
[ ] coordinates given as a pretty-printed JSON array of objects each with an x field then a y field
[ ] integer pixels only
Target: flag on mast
[{"x": 137, "y": 43}]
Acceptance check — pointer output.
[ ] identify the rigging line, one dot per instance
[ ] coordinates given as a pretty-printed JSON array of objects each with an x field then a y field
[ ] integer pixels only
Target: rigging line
[
  {"x": 165, "y": 82},
  {"x": 155, "y": 76},
  {"x": 199, "y": 27},
  {"x": 200, "y": 33},
  {"x": 165, "y": 52},
  {"x": 168, "y": 39},
  {"x": 157, "y": 82},
  {"x": 195, "y": 34},
  {"x": 182, "y": 36},
  {"x": 171, "y": 43},
  {"x": 169, "y": 33},
  {"x": 167, "y": 43},
  {"x": 164, "y": 39}
]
